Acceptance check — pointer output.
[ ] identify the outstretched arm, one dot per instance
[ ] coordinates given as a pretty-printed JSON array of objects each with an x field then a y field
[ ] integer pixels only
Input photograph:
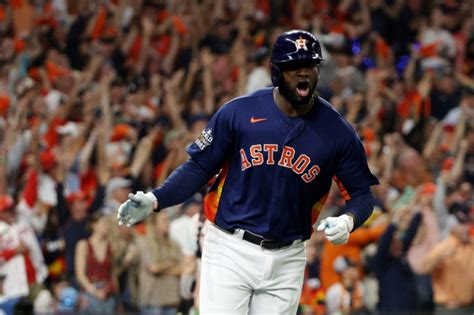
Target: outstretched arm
[
  {"x": 208, "y": 154},
  {"x": 181, "y": 185}
]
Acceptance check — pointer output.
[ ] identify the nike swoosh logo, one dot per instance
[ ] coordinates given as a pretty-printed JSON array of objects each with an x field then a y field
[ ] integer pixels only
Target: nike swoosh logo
[{"x": 254, "y": 120}]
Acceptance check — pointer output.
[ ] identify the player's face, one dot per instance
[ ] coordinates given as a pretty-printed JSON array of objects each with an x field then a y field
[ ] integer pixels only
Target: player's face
[{"x": 299, "y": 80}]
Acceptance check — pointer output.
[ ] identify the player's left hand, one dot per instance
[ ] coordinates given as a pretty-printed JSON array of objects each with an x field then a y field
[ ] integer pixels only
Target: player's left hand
[{"x": 337, "y": 229}]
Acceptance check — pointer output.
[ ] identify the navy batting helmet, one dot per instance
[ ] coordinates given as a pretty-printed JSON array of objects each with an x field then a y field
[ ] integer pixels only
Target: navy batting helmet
[{"x": 293, "y": 45}]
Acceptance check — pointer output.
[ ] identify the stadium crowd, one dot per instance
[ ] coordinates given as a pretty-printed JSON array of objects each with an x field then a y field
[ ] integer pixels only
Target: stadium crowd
[{"x": 101, "y": 98}]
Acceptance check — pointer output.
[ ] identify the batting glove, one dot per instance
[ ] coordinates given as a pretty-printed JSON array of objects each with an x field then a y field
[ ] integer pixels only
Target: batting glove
[
  {"x": 337, "y": 229},
  {"x": 136, "y": 208}
]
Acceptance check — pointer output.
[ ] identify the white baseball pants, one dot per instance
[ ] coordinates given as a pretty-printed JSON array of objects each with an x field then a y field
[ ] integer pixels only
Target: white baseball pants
[{"x": 238, "y": 277}]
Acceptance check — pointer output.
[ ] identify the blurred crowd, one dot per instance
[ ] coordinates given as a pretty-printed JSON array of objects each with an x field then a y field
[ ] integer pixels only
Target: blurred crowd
[{"x": 100, "y": 98}]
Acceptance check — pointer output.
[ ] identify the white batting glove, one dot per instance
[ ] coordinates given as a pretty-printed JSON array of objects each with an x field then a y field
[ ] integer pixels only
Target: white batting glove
[
  {"x": 136, "y": 208},
  {"x": 337, "y": 229}
]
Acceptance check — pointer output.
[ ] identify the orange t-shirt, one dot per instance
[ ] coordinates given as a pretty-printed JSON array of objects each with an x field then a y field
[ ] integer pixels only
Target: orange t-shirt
[{"x": 358, "y": 239}]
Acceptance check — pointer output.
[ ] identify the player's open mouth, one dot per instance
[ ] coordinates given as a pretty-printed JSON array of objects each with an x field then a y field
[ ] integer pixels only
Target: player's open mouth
[{"x": 302, "y": 88}]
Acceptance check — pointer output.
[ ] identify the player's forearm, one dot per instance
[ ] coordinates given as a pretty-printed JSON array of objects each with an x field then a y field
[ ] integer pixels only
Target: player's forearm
[
  {"x": 360, "y": 207},
  {"x": 181, "y": 184}
]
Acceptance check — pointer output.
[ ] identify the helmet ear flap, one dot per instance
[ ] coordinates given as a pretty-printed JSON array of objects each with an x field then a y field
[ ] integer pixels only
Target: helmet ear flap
[{"x": 275, "y": 73}]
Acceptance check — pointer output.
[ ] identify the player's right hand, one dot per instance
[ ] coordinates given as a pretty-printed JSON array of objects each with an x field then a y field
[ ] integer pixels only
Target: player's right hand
[{"x": 136, "y": 208}]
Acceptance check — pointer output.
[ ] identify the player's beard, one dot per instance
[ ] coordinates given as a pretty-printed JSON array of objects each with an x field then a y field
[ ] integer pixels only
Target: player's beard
[{"x": 292, "y": 94}]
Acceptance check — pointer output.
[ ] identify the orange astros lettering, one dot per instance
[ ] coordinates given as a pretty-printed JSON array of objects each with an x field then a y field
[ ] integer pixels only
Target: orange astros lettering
[
  {"x": 254, "y": 120},
  {"x": 300, "y": 164}
]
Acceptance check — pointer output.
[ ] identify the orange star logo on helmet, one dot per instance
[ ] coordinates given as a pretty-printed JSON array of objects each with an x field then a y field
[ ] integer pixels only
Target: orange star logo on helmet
[{"x": 301, "y": 43}]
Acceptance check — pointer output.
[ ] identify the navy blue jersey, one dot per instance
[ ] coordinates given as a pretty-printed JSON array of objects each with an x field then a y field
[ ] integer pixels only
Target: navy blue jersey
[{"x": 275, "y": 171}]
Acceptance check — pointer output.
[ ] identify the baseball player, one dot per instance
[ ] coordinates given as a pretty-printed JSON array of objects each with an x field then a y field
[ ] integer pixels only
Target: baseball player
[{"x": 276, "y": 152}]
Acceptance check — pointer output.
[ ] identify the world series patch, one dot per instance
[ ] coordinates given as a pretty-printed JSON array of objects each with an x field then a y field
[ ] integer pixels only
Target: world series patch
[{"x": 204, "y": 139}]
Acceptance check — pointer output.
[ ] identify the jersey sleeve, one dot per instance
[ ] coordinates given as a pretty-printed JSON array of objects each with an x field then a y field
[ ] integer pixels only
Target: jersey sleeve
[
  {"x": 215, "y": 143},
  {"x": 352, "y": 173},
  {"x": 208, "y": 154}
]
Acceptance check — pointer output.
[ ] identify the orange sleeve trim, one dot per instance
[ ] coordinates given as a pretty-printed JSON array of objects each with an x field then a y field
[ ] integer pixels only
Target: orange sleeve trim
[
  {"x": 212, "y": 198},
  {"x": 344, "y": 193}
]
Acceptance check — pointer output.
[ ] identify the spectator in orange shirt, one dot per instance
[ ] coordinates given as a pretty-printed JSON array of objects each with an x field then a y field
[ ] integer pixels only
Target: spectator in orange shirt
[
  {"x": 352, "y": 250},
  {"x": 451, "y": 265}
]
